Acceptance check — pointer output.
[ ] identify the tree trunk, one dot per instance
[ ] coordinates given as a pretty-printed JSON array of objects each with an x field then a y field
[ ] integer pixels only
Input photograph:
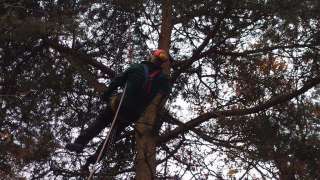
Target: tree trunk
[
  {"x": 145, "y": 126},
  {"x": 145, "y": 143}
]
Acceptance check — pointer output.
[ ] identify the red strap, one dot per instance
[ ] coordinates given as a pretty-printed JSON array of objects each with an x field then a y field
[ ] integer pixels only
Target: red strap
[
  {"x": 150, "y": 78},
  {"x": 155, "y": 74}
]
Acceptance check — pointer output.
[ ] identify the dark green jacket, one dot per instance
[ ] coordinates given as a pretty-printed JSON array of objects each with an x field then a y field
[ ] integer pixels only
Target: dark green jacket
[{"x": 136, "y": 98}]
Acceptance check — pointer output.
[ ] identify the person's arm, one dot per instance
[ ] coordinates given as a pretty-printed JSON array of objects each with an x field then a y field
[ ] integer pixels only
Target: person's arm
[{"x": 115, "y": 83}]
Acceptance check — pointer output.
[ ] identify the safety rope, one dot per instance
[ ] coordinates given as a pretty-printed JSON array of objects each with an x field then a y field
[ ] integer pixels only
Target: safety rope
[
  {"x": 108, "y": 135},
  {"x": 112, "y": 131}
]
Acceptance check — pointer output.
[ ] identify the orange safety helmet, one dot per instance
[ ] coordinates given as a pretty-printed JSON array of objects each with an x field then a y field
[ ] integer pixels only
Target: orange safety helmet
[
  {"x": 159, "y": 57},
  {"x": 161, "y": 54}
]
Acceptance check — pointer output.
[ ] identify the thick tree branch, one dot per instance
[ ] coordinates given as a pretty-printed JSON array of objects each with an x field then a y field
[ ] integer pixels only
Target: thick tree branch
[
  {"x": 255, "y": 51},
  {"x": 82, "y": 61},
  {"x": 237, "y": 112},
  {"x": 201, "y": 134},
  {"x": 80, "y": 57}
]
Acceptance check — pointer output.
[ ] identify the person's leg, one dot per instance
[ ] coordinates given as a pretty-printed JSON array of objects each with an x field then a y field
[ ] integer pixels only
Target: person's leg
[
  {"x": 125, "y": 118},
  {"x": 115, "y": 135},
  {"x": 103, "y": 120},
  {"x": 107, "y": 149},
  {"x": 92, "y": 159}
]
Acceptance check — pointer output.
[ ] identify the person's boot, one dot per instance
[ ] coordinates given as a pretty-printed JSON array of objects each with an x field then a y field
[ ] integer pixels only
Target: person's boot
[{"x": 75, "y": 147}]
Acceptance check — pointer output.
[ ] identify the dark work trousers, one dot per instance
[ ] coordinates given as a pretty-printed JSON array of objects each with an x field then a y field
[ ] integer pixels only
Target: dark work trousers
[
  {"x": 103, "y": 120},
  {"x": 125, "y": 118}
]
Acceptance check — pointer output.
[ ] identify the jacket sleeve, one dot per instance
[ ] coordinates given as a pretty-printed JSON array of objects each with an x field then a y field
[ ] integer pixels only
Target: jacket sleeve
[{"x": 118, "y": 81}]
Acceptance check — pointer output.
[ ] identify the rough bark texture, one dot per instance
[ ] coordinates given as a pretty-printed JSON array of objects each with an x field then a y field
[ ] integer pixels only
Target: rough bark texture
[
  {"x": 146, "y": 144},
  {"x": 145, "y": 134}
]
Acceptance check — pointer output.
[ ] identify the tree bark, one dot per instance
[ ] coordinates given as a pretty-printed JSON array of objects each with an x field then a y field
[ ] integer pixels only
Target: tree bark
[
  {"x": 146, "y": 143},
  {"x": 145, "y": 126}
]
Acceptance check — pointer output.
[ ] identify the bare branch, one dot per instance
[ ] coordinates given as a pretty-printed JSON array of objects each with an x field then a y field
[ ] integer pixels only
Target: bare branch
[
  {"x": 237, "y": 112},
  {"x": 81, "y": 57}
]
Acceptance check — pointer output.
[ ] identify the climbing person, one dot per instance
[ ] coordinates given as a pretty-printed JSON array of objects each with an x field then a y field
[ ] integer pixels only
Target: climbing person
[{"x": 144, "y": 81}]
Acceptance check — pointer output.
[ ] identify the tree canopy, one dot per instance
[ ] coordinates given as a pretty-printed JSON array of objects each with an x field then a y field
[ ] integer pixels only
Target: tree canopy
[{"x": 245, "y": 97}]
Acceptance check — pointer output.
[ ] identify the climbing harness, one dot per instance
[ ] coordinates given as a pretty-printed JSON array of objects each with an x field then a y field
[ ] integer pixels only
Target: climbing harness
[
  {"x": 149, "y": 78},
  {"x": 110, "y": 135}
]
